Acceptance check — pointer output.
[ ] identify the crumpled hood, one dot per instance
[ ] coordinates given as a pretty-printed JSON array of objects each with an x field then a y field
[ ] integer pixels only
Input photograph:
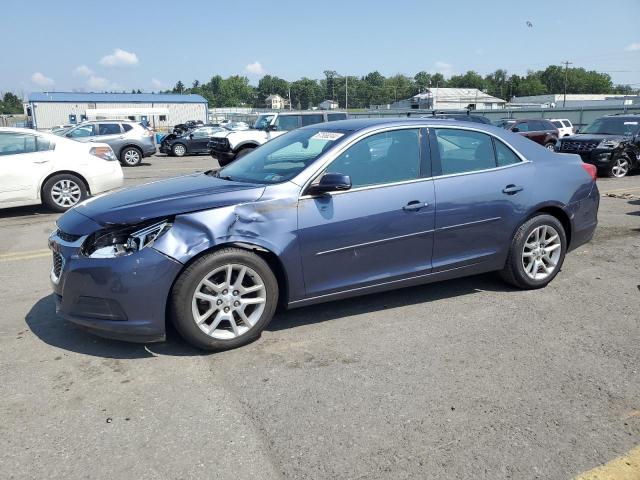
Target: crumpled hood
[
  {"x": 593, "y": 137},
  {"x": 168, "y": 197}
]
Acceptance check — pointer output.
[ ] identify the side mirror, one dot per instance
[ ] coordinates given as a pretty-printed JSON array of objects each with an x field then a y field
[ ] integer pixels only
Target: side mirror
[
  {"x": 515, "y": 129},
  {"x": 191, "y": 136},
  {"x": 272, "y": 128},
  {"x": 330, "y": 182}
]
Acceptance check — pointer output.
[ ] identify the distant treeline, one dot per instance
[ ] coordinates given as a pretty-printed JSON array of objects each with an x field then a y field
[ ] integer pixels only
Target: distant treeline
[{"x": 374, "y": 88}]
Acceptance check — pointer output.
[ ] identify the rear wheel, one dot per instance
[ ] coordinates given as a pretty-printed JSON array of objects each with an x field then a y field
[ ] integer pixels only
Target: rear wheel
[
  {"x": 536, "y": 254},
  {"x": 179, "y": 150},
  {"x": 224, "y": 300},
  {"x": 619, "y": 166},
  {"x": 61, "y": 192},
  {"x": 131, "y": 156}
]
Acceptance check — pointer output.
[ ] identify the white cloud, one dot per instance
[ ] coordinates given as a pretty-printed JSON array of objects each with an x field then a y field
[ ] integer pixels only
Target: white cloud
[
  {"x": 82, "y": 71},
  {"x": 42, "y": 81},
  {"x": 119, "y": 58},
  {"x": 157, "y": 84},
  {"x": 444, "y": 68},
  {"x": 633, "y": 47},
  {"x": 98, "y": 83},
  {"x": 255, "y": 68}
]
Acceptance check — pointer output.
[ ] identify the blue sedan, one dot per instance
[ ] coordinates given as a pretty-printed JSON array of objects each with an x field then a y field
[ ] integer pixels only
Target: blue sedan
[{"x": 321, "y": 213}]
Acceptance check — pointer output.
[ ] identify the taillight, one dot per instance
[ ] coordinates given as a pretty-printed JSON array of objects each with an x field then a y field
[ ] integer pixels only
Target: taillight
[
  {"x": 103, "y": 152},
  {"x": 591, "y": 170}
]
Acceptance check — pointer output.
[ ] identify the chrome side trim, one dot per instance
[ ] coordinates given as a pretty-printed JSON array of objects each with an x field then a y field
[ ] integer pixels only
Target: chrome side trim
[
  {"x": 484, "y": 220},
  {"x": 391, "y": 282},
  {"x": 370, "y": 187},
  {"x": 374, "y": 242}
]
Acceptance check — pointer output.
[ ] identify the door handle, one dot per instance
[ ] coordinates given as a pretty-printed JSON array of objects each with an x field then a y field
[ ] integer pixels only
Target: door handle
[
  {"x": 40, "y": 161},
  {"x": 512, "y": 189},
  {"x": 414, "y": 205}
]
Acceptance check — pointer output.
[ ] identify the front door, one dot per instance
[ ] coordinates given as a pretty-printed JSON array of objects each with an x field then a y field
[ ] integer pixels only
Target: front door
[
  {"x": 379, "y": 231},
  {"x": 482, "y": 188}
]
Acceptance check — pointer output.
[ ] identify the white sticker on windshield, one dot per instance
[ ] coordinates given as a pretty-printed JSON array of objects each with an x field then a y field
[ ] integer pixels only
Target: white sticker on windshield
[
  {"x": 327, "y": 136},
  {"x": 630, "y": 123}
]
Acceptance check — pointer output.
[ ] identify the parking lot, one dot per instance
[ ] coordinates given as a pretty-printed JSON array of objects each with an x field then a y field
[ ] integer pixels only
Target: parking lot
[{"x": 463, "y": 379}]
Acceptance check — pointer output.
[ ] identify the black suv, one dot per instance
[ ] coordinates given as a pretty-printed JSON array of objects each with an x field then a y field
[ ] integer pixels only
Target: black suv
[{"x": 611, "y": 143}]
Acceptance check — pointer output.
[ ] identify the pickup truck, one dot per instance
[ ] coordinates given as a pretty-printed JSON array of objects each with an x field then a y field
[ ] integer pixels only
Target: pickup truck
[{"x": 227, "y": 146}]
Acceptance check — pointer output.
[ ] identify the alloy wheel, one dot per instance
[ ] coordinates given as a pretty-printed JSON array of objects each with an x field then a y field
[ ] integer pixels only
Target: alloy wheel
[
  {"x": 66, "y": 193},
  {"x": 620, "y": 167},
  {"x": 229, "y": 301},
  {"x": 179, "y": 150},
  {"x": 550, "y": 146},
  {"x": 131, "y": 157},
  {"x": 541, "y": 252}
]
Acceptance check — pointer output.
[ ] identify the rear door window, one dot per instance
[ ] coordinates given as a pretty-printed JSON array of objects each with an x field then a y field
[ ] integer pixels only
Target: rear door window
[
  {"x": 464, "y": 151},
  {"x": 557, "y": 123},
  {"x": 312, "y": 119},
  {"x": 16, "y": 143},
  {"x": 336, "y": 116},
  {"x": 287, "y": 122},
  {"x": 567, "y": 123},
  {"x": 504, "y": 155},
  {"x": 126, "y": 127},
  {"x": 522, "y": 127},
  {"x": 108, "y": 128}
]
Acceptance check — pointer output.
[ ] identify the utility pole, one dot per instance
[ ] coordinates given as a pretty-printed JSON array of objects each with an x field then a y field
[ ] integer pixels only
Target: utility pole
[
  {"x": 289, "y": 97},
  {"x": 346, "y": 93},
  {"x": 566, "y": 64}
]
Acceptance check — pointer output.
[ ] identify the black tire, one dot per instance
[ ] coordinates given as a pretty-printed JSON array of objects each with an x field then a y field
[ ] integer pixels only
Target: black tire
[
  {"x": 513, "y": 271},
  {"x": 244, "y": 152},
  {"x": 131, "y": 156},
  {"x": 550, "y": 146},
  {"x": 619, "y": 167},
  {"x": 182, "y": 294},
  {"x": 54, "y": 201},
  {"x": 178, "y": 150}
]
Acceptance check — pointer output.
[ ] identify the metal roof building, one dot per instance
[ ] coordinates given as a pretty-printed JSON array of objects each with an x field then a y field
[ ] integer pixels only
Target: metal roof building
[
  {"x": 161, "y": 110},
  {"x": 447, "y": 99}
]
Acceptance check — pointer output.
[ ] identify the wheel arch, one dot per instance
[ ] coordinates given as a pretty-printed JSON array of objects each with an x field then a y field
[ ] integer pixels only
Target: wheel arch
[
  {"x": 63, "y": 172},
  {"x": 267, "y": 255},
  {"x": 246, "y": 144},
  {"x": 560, "y": 214},
  {"x": 130, "y": 145}
]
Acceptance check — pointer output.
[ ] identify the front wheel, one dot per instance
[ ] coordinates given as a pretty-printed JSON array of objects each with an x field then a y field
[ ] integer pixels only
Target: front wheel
[
  {"x": 536, "y": 253},
  {"x": 179, "y": 150},
  {"x": 619, "y": 166},
  {"x": 550, "y": 146},
  {"x": 224, "y": 300}
]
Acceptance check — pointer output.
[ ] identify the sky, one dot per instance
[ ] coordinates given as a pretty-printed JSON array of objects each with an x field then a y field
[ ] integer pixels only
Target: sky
[{"x": 119, "y": 45}]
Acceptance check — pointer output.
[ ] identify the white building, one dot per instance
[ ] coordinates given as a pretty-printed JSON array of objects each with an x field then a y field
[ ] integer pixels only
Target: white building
[
  {"x": 276, "y": 102},
  {"x": 328, "y": 105},
  {"x": 553, "y": 100},
  {"x": 447, "y": 99},
  {"x": 48, "y": 109}
]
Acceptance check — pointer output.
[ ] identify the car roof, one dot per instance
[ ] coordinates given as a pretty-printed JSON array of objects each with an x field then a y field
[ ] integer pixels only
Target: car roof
[
  {"x": 353, "y": 125},
  {"x": 298, "y": 112}
]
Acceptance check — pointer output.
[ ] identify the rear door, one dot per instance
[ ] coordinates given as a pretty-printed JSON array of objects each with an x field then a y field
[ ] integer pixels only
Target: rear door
[
  {"x": 482, "y": 189},
  {"x": 24, "y": 160}
]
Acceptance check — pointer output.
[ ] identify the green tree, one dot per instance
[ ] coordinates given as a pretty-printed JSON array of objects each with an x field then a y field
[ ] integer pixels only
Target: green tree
[
  {"x": 268, "y": 85},
  {"x": 422, "y": 79},
  {"x": 11, "y": 104},
  {"x": 179, "y": 87}
]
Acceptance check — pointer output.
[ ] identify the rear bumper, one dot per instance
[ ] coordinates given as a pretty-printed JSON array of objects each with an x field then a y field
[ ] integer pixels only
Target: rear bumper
[
  {"x": 122, "y": 298},
  {"x": 148, "y": 150},
  {"x": 224, "y": 157},
  {"x": 585, "y": 218}
]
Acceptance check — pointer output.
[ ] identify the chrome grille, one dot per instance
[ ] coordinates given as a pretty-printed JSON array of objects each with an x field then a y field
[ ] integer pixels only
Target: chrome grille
[{"x": 577, "y": 146}]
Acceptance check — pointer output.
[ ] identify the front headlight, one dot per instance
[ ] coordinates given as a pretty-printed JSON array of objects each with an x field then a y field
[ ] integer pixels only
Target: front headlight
[
  {"x": 123, "y": 241},
  {"x": 608, "y": 144}
]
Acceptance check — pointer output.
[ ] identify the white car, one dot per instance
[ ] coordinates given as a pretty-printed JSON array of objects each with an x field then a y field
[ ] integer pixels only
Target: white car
[
  {"x": 38, "y": 167},
  {"x": 564, "y": 126}
]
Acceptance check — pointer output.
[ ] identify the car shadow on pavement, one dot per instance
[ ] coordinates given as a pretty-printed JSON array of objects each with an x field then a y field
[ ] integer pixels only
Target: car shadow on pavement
[
  {"x": 30, "y": 211},
  {"x": 391, "y": 299},
  {"x": 53, "y": 330}
]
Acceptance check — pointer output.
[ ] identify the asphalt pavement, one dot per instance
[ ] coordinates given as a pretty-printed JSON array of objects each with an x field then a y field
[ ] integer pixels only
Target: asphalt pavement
[{"x": 463, "y": 379}]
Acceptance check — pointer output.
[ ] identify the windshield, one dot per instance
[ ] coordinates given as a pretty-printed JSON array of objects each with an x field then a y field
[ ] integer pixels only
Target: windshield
[
  {"x": 283, "y": 157},
  {"x": 263, "y": 121},
  {"x": 613, "y": 126}
]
